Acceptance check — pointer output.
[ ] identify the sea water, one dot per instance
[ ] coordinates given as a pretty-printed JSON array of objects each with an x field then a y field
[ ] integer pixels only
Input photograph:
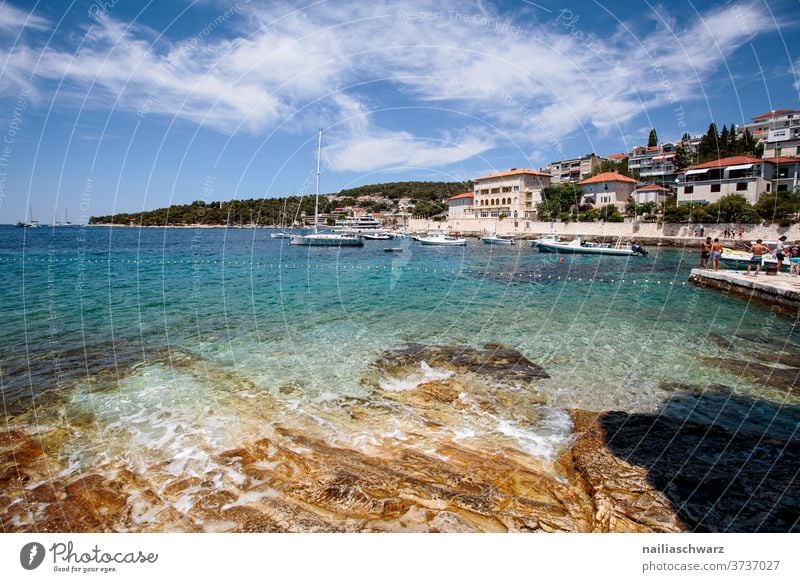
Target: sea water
[{"x": 163, "y": 347}]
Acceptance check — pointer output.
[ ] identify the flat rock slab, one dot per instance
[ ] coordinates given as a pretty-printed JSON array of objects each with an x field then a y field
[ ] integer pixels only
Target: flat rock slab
[{"x": 495, "y": 361}]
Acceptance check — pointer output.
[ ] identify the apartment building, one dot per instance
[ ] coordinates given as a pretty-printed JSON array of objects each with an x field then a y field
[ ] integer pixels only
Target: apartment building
[{"x": 513, "y": 193}]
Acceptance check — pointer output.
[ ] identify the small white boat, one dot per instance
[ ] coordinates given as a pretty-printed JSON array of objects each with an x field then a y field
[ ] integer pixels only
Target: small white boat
[
  {"x": 496, "y": 239},
  {"x": 550, "y": 238},
  {"x": 442, "y": 239},
  {"x": 282, "y": 234},
  {"x": 377, "y": 236},
  {"x": 578, "y": 247}
]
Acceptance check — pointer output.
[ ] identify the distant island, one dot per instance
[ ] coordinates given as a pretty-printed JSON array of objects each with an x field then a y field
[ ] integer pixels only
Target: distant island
[{"x": 390, "y": 199}]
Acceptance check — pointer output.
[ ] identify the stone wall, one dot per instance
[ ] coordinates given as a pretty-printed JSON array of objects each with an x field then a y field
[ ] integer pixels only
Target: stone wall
[{"x": 521, "y": 227}]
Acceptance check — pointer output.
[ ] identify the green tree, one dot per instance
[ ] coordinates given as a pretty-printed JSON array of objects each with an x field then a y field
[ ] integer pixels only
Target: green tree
[
  {"x": 652, "y": 139},
  {"x": 683, "y": 158},
  {"x": 723, "y": 142},
  {"x": 708, "y": 148},
  {"x": 780, "y": 207}
]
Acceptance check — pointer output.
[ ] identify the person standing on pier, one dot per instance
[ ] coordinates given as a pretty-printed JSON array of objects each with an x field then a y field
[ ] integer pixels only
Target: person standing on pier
[
  {"x": 705, "y": 253},
  {"x": 758, "y": 251},
  {"x": 716, "y": 253},
  {"x": 779, "y": 251}
]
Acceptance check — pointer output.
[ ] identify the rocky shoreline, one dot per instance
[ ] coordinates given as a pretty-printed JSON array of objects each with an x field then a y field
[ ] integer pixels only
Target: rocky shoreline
[{"x": 617, "y": 472}]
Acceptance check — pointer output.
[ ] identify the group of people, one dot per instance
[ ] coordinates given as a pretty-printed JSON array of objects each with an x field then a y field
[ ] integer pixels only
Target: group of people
[
  {"x": 713, "y": 250},
  {"x": 731, "y": 233}
]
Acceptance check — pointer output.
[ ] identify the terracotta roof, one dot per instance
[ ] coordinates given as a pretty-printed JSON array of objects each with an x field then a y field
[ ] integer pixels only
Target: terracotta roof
[
  {"x": 769, "y": 114},
  {"x": 606, "y": 177},
  {"x": 737, "y": 160},
  {"x": 651, "y": 187},
  {"x": 724, "y": 162},
  {"x": 617, "y": 156},
  {"x": 513, "y": 172},
  {"x": 460, "y": 196}
]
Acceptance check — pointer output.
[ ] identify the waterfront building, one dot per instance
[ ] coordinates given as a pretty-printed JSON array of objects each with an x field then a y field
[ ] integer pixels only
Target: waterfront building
[
  {"x": 460, "y": 206},
  {"x": 607, "y": 188},
  {"x": 572, "y": 170},
  {"x": 778, "y": 130},
  {"x": 745, "y": 175},
  {"x": 650, "y": 193},
  {"x": 513, "y": 193}
]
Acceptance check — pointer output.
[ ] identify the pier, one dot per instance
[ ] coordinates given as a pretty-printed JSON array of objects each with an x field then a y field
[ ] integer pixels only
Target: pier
[{"x": 780, "y": 291}]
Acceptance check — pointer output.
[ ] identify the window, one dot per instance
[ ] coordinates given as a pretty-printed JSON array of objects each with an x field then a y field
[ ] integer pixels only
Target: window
[
  {"x": 782, "y": 188},
  {"x": 605, "y": 187},
  {"x": 768, "y": 186},
  {"x": 516, "y": 188},
  {"x": 506, "y": 188},
  {"x": 688, "y": 190},
  {"x": 715, "y": 187},
  {"x": 741, "y": 186}
]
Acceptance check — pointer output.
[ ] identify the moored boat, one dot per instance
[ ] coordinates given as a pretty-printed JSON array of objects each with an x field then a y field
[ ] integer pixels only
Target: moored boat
[
  {"x": 496, "y": 239},
  {"x": 577, "y": 246},
  {"x": 442, "y": 239}
]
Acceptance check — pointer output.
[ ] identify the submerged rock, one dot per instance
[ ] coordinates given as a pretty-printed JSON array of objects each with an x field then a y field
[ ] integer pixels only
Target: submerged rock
[{"x": 497, "y": 362}]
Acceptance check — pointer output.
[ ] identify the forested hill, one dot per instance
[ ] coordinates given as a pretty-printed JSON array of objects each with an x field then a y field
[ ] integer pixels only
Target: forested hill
[{"x": 429, "y": 196}]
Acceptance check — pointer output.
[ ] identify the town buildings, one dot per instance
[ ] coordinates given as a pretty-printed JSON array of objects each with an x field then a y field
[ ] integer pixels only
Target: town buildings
[
  {"x": 744, "y": 175},
  {"x": 607, "y": 188},
  {"x": 573, "y": 170},
  {"x": 513, "y": 193},
  {"x": 778, "y": 130}
]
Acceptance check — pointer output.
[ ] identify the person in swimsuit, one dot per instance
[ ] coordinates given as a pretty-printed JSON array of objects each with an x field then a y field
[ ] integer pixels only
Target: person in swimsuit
[
  {"x": 705, "y": 253},
  {"x": 758, "y": 251},
  {"x": 716, "y": 253}
]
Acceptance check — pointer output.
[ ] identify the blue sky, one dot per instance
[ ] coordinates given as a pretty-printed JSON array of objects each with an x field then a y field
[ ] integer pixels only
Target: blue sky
[{"x": 118, "y": 106}]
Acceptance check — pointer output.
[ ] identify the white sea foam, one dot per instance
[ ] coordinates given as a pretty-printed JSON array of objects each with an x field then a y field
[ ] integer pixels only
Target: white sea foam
[
  {"x": 546, "y": 439},
  {"x": 425, "y": 374}
]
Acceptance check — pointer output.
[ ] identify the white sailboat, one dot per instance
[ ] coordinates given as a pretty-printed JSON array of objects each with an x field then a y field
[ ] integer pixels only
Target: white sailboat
[{"x": 325, "y": 239}]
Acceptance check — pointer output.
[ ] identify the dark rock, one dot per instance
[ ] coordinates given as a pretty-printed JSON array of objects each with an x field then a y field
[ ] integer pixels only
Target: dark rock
[{"x": 499, "y": 363}]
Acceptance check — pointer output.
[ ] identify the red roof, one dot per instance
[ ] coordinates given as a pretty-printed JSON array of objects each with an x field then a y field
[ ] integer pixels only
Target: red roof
[
  {"x": 513, "y": 172},
  {"x": 606, "y": 177},
  {"x": 460, "y": 196},
  {"x": 775, "y": 113},
  {"x": 650, "y": 187},
  {"x": 736, "y": 160},
  {"x": 617, "y": 156}
]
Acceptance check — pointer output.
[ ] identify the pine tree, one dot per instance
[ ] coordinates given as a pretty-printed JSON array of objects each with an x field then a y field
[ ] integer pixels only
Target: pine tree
[
  {"x": 683, "y": 158},
  {"x": 732, "y": 139},
  {"x": 723, "y": 142},
  {"x": 709, "y": 145},
  {"x": 653, "y": 139}
]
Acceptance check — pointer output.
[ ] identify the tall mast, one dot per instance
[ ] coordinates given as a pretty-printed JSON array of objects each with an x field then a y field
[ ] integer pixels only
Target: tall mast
[{"x": 316, "y": 200}]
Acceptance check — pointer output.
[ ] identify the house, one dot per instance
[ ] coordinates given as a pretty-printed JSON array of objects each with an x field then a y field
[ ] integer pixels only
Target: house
[
  {"x": 654, "y": 162},
  {"x": 650, "y": 193},
  {"x": 572, "y": 170},
  {"x": 460, "y": 206},
  {"x": 745, "y": 175},
  {"x": 778, "y": 130},
  {"x": 607, "y": 188},
  {"x": 514, "y": 193}
]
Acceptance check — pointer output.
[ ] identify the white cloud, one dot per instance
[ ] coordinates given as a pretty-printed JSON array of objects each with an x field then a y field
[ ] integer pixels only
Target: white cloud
[
  {"x": 270, "y": 66},
  {"x": 13, "y": 19}
]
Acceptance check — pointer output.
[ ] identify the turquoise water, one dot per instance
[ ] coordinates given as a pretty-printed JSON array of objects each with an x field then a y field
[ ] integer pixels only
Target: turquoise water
[{"x": 97, "y": 318}]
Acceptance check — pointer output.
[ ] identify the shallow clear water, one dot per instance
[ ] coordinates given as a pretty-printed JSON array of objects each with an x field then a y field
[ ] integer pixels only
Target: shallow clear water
[{"x": 163, "y": 347}]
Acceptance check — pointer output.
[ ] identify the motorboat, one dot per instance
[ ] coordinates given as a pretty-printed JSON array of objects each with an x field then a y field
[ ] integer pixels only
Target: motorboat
[
  {"x": 377, "y": 236},
  {"x": 577, "y": 246},
  {"x": 326, "y": 239},
  {"x": 738, "y": 258},
  {"x": 363, "y": 222},
  {"x": 550, "y": 238},
  {"x": 281, "y": 234},
  {"x": 442, "y": 239},
  {"x": 496, "y": 239}
]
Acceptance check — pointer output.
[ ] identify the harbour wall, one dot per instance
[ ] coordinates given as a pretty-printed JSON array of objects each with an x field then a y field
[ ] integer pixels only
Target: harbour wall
[{"x": 626, "y": 230}]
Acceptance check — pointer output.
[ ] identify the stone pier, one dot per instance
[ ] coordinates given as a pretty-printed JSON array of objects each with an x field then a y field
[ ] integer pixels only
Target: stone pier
[{"x": 781, "y": 291}]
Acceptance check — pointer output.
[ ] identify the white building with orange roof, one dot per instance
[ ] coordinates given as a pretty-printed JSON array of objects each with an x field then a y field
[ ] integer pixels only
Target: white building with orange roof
[
  {"x": 607, "y": 188},
  {"x": 460, "y": 206},
  {"x": 513, "y": 193},
  {"x": 746, "y": 175}
]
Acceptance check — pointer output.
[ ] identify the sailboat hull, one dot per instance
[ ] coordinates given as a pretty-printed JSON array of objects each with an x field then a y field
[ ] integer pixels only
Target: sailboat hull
[{"x": 326, "y": 240}]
